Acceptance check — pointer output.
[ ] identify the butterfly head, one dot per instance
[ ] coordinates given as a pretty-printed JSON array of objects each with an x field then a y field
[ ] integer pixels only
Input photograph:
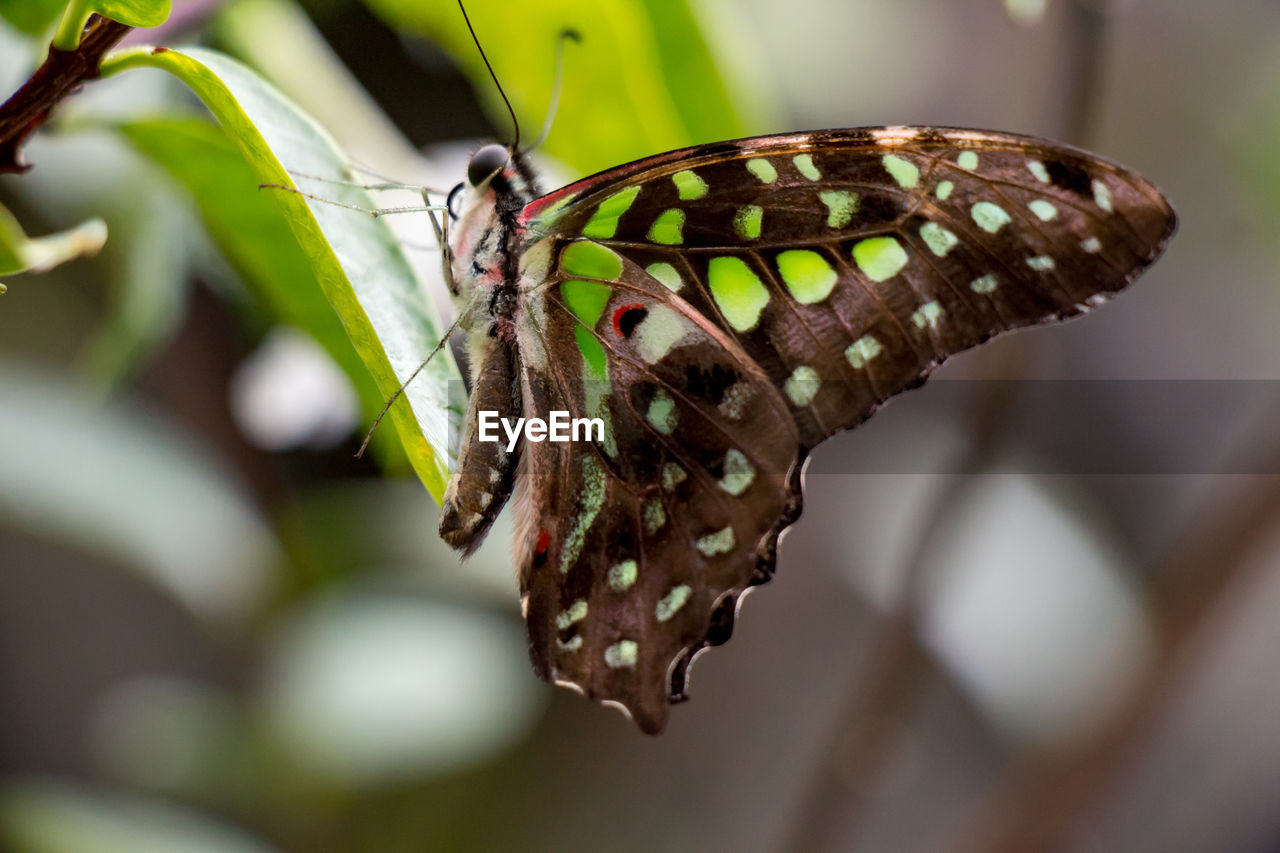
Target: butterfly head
[{"x": 483, "y": 209}]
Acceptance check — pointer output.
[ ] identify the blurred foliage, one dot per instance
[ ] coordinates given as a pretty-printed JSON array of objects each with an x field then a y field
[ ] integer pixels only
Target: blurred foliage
[
  {"x": 33, "y": 17},
  {"x": 634, "y": 59},
  {"x": 20, "y": 253}
]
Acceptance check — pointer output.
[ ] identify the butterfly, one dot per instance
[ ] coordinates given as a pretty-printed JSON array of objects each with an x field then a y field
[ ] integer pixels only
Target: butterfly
[{"x": 722, "y": 310}]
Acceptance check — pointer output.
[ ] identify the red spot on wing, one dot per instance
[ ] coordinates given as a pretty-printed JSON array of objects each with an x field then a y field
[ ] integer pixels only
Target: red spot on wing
[
  {"x": 544, "y": 541},
  {"x": 618, "y": 314}
]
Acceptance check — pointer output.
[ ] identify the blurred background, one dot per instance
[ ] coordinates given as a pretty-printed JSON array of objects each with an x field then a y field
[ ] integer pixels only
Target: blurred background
[{"x": 1028, "y": 607}]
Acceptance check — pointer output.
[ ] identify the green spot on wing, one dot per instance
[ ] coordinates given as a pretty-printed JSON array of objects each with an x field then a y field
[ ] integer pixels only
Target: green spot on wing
[
  {"x": 944, "y": 190},
  {"x": 666, "y": 274},
  {"x": 804, "y": 162},
  {"x": 586, "y": 299},
  {"x": 603, "y": 224},
  {"x": 667, "y": 228},
  {"x": 938, "y": 239},
  {"x": 689, "y": 185},
  {"x": 672, "y": 602},
  {"x": 762, "y": 169},
  {"x": 747, "y": 221},
  {"x": 662, "y": 413},
  {"x": 879, "y": 258},
  {"x": 623, "y": 575},
  {"x": 990, "y": 217},
  {"x": 738, "y": 292},
  {"x": 802, "y": 385},
  {"x": 968, "y": 160},
  {"x": 592, "y": 353},
  {"x": 841, "y": 205},
  {"x": 591, "y": 260},
  {"x": 807, "y": 274},
  {"x": 863, "y": 350},
  {"x": 903, "y": 171}
]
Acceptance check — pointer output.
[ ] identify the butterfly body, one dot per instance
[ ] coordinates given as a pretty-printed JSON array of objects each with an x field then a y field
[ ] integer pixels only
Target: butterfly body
[{"x": 722, "y": 310}]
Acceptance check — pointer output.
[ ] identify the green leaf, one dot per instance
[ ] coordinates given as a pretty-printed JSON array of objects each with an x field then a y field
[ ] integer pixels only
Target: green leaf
[
  {"x": 48, "y": 817},
  {"x": 20, "y": 253},
  {"x": 132, "y": 13},
  {"x": 130, "y": 488},
  {"x": 33, "y": 17},
  {"x": 360, "y": 266},
  {"x": 641, "y": 81},
  {"x": 248, "y": 226}
]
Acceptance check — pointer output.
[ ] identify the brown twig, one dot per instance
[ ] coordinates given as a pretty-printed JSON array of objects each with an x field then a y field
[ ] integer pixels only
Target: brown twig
[{"x": 62, "y": 73}]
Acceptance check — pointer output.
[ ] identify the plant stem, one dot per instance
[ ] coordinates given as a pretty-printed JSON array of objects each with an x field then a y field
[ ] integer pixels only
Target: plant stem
[{"x": 62, "y": 73}]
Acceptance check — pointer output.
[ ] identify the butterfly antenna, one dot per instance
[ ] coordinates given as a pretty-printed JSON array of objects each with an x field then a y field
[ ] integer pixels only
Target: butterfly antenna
[
  {"x": 516, "y": 144},
  {"x": 444, "y": 339},
  {"x": 565, "y": 36}
]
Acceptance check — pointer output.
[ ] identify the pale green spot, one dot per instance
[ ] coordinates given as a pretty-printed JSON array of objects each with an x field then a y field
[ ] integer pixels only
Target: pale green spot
[
  {"x": 1102, "y": 196},
  {"x": 938, "y": 239},
  {"x": 802, "y": 385},
  {"x": 662, "y": 412},
  {"x": 596, "y": 393},
  {"x": 902, "y": 171},
  {"x": 689, "y": 185},
  {"x": 987, "y": 284},
  {"x": 623, "y": 575},
  {"x": 1041, "y": 263},
  {"x": 739, "y": 473},
  {"x": 591, "y": 499},
  {"x": 672, "y": 476},
  {"x": 591, "y": 260},
  {"x": 841, "y": 205},
  {"x": 863, "y": 350},
  {"x": 720, "y": 542},
  {"x": 1037, "y": 168},
  {"x": 1093, "y": 245},
  {"x": 572, "y": 645},
  {"x": 576, "y": 612},
  {"x": 990, "y": 217},
  {"x": 968, "y": 160},
  {"x": 654, "y": 516},
  {"x": 667, "y": 228},
  {"x": 804, "y": 162},
  {"x": 1043, "y": 209},
  {"x": 672, "y": 602},
  {"x": 623, "y": 653},
  {"x": 734, "y": 404},
  {"x": 808, "y": 275},
  {"x": 658, "y": 332},
  {"x": 927, "y": 314},
  {"x": 666, "y": 274},
  {"x": 737, "y": 291},
  {"x": 603, "y": 224},
  {"x": 880, "y": 258},
  {"x": 747, "y": 221},
  {"x": 762, "y": 169},
  {"x": 944, "y": 190}
]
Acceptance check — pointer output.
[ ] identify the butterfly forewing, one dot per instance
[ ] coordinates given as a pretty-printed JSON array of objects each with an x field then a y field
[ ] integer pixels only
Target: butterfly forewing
[
  {"x": 849, "y": 263},
  {"x": 723, "y": 309}
]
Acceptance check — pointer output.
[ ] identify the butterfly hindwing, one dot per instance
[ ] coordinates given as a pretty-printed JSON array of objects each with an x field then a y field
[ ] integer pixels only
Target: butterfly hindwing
[
  {"x": 849, "y": 263},
  {"x": 635, "y": 547}
]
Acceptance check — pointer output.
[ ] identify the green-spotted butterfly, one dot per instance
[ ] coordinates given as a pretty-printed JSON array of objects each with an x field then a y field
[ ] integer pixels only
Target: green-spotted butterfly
[{"x": 723, "y": 309}]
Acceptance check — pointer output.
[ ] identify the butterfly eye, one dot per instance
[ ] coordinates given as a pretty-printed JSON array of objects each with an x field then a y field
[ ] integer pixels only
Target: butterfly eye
[
  {"x": 485, "y": 162},
  {"x": 454, "y": 195}
]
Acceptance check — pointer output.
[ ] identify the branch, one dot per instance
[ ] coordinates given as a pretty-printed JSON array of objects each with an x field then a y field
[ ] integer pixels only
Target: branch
[{"x": 62, "y": 73}]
